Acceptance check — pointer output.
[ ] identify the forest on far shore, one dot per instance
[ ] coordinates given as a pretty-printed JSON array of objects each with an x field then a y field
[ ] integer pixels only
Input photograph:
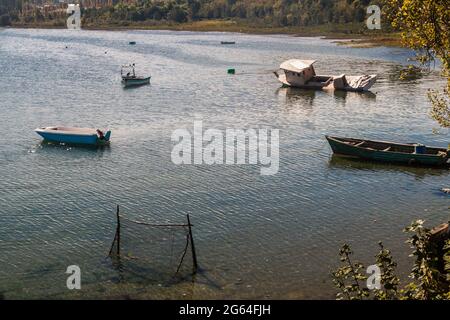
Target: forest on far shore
[{"x": 267, "y": 13}]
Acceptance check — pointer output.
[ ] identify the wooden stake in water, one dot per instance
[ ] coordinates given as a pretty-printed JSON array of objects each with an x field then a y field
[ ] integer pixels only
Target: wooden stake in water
[
  {"x": 118, "y": 230},
  {"x": 191, "y": 238},
  {"x": 117, "y": 235}
]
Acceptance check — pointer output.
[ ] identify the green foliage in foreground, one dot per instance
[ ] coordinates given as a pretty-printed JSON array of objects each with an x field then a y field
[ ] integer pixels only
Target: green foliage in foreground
[
  {"x": 425, "y": 27},
  {"x": 430, "y": 274}
]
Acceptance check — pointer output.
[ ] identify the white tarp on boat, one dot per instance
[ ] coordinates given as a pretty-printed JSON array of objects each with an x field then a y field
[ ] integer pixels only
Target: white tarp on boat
[{"x": 296, "y": 65}]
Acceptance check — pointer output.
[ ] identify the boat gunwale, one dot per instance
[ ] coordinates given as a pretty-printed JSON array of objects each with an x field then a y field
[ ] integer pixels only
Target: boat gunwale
[
  {"x": 68, "y": 132},
  {"x": 336, "y": 139}
]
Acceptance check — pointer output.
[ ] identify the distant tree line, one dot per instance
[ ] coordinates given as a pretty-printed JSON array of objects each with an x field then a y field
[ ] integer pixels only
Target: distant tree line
[
  {"x": 9, "y": 11},
  {"x": 270, "y": 12},
  {"x": 276, "y": 13}
]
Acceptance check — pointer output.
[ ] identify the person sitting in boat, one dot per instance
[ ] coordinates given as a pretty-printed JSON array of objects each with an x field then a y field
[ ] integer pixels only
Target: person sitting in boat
[{"x": 100, "y": 134}]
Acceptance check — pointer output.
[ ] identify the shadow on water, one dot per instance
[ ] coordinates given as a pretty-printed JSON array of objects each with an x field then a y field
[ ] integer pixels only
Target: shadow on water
[
  {"x": 49, "y": 146},
  {"x": 134, "y": 273},
  {"x": 354, "y": 164},
  {"x": 133, "y": 270}
]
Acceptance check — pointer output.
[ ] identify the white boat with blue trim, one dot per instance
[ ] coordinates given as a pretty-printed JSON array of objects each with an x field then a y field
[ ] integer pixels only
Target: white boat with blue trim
[{"x": 72, "y": 135}]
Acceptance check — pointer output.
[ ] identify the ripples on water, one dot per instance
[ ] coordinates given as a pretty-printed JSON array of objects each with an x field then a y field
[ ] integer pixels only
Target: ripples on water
[{"x": 256, "y": 236}]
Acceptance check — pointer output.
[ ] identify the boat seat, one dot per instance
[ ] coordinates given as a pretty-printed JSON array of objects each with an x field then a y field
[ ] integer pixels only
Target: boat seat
[
  {"x": 340, "y": 82},
  {"x": 359, "y": 144},
  {"x": 387, "y": 149}
]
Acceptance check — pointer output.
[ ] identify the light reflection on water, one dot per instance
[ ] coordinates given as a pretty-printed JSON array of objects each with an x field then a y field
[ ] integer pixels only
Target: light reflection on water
[{"x": 256, "y": 236}]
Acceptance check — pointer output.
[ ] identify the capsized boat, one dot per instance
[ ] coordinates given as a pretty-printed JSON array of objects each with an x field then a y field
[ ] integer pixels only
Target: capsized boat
[
  {"x": 301, "y": 74},
  {"x": 408, "y": 153},
  {"x": 129, "y": 78},
  {"x": 72, "y": 135}
]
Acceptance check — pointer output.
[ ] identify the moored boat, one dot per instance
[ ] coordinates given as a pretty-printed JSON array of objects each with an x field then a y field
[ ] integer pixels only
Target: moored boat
[
  {"x": 72, "y": 135},
  {"x": 132, "y": 82},
  {"x": 129, "y": 78},
  {"x": 301, "y": 74},
  {"x": 410, "y": 154},
  {"x": 227, "y": 42}
]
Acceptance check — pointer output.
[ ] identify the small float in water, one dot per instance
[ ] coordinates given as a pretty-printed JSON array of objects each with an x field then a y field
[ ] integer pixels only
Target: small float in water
[
  {"x": 72, "y": 135},
  {"x": 129, "y": 78},
  {"x": 410, "y": 154},
  {"x": 301, "y": 74}
]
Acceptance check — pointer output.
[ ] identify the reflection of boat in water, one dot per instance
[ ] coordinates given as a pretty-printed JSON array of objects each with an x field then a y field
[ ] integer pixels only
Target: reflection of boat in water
[
  {"x": 410, "y": 154},
  {"x": 71, "y": 135},
  {"x": 296, "y": 96},
  {"x": 362, "y": 95},
  {"x": 301, "y": 74},
  {"x": 294, "y": 92},
  {"x": 354, "y": 164},
  {"x": 307, "y": 97},
  {"x": 129, "y": 78}
]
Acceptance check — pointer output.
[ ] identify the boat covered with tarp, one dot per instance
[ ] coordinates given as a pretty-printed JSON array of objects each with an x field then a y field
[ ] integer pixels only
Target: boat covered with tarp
[{"x": 301, "y": 74}]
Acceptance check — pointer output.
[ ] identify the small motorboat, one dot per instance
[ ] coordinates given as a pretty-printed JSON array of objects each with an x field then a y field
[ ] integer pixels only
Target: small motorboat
[
  {"x": 132, "y": 43},
  {"x": 227, "y": 42},
  {"x": 129, "y": 78},
  {"x": 301, "y": 74},
  {"x": 72, "y": 135},
  {"x": 410, "y": 153}
]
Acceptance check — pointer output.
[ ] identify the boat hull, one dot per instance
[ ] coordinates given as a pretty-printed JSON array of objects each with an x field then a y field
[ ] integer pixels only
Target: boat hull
[
  {"x": 327, "y": 85},
  {"x": 135, "y": 82},
  {"x": 342, "y": 148},
  {"x": 73, "y": 137}
]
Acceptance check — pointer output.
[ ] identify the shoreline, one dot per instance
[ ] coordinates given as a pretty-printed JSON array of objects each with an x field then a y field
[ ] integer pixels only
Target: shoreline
[{"x": 345, "y": 34}]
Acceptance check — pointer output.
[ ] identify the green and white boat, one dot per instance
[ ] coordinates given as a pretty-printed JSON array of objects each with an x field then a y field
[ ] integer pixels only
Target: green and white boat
[{"x": 129, "y": 78}]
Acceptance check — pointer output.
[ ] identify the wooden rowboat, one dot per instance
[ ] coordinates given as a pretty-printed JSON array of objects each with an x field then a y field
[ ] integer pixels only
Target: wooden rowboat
[{"x": 410, "y": 154}]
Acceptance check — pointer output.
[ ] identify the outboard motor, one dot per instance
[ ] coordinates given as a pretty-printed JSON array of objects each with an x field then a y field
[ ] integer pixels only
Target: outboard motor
[{"x": 108, "y": 135}]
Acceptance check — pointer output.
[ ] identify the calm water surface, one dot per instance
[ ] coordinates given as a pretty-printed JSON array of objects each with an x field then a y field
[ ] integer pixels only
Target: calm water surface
[{"x": 256, "y": 236}]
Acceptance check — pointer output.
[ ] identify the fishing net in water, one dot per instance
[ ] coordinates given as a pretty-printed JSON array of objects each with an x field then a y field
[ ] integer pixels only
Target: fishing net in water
[{"x": 151, "y": 252}]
